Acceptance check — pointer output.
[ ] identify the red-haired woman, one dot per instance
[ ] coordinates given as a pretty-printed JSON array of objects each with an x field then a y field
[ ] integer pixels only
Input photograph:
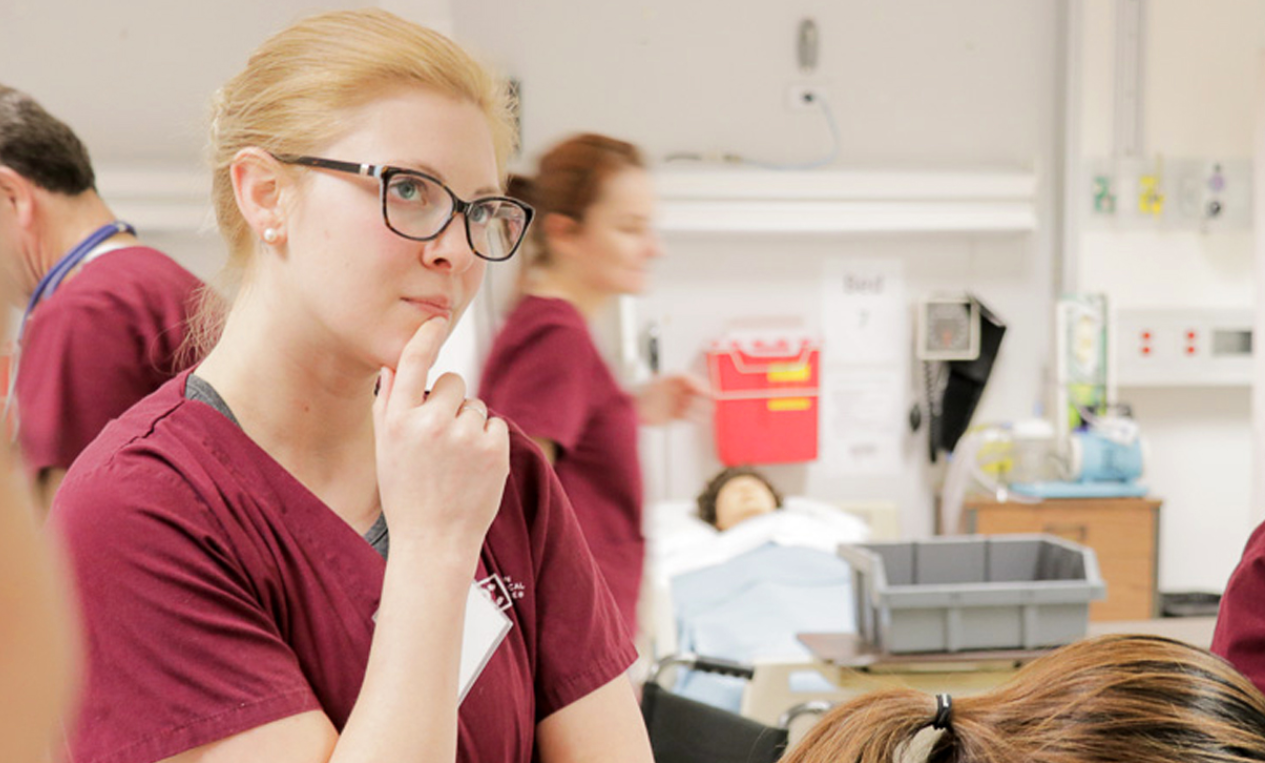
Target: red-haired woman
[{"x": 593, "y": 242}]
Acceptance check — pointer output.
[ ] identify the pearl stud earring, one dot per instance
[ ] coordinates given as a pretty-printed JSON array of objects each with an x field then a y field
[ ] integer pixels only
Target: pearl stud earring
[{"x": 270, "y": 235}]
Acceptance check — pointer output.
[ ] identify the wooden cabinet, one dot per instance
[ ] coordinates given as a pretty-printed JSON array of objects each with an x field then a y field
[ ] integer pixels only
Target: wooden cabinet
[{"x": 1123, "y": 532}]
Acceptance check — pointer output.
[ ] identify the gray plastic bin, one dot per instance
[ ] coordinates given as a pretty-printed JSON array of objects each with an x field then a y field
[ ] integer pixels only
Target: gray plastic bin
[{"x": 973, "y": 592}]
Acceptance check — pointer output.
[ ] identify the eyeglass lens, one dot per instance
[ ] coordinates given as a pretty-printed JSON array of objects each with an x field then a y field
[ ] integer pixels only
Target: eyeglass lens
[{"x": 418, "y": 208}]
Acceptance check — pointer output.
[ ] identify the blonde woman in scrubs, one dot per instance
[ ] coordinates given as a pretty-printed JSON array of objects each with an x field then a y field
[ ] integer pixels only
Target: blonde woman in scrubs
[{"x": 229, "y": 533}]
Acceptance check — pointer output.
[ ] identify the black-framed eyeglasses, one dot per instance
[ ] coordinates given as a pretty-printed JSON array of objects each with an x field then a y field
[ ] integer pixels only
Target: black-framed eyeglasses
[{"x": 419, "y": 207}]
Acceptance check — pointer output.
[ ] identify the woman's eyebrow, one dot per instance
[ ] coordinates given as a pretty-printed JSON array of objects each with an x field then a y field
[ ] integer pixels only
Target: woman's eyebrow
[{"x": 429, "y": 170}]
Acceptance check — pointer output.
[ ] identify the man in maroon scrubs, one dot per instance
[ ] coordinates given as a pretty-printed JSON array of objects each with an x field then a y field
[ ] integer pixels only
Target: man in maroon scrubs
[{"x": 106, "y": 316}]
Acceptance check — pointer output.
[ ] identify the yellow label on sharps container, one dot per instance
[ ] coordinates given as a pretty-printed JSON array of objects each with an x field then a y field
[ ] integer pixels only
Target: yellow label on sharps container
[
  {"x": 790, "y": 372},
  {"x": 790, "y": 404}
]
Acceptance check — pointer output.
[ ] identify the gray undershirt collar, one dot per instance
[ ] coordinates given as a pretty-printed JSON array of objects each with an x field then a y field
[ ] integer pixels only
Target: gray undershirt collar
[{"x": 197, "y": 388}]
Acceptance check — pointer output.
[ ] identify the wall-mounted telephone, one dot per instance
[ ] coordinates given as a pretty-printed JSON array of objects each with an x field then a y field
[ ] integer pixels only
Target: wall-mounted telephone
[{"x": 958, "y": 339}]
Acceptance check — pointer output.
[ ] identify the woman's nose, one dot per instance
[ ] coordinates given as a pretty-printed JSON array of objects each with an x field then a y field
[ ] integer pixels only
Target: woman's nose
[
  {"x": 655, "y": 246},
  {"x": 450, "y": 250}
]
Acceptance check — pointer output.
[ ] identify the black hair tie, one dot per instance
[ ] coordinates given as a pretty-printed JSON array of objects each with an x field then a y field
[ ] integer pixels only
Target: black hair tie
[{"x": 944, "y": 712}]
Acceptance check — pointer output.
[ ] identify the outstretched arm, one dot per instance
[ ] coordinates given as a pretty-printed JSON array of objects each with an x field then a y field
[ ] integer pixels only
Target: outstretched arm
[{"x": 671, "y": 398}]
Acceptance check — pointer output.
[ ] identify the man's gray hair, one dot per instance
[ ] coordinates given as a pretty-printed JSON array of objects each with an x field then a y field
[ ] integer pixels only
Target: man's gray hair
[{"x": 40, "y": 147}]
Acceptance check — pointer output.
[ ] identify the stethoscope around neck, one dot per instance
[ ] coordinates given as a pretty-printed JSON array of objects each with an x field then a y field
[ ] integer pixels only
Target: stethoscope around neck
[{"x": 49, "y": 283}]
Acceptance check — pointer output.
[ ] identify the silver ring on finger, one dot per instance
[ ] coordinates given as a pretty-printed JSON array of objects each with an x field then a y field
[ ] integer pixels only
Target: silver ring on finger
[{"x": 474, "y": 405}]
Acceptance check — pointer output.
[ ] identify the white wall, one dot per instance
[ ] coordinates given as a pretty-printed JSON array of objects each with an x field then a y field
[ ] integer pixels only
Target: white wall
[
  {"x": 1199, "y": 92},
  {"x": 134, "y": 78},
  {"x": 913, "y": 83}
]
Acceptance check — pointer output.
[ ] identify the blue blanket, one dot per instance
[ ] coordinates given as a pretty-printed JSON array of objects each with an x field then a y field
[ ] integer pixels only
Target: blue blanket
[{"x": 750, "y": 607}]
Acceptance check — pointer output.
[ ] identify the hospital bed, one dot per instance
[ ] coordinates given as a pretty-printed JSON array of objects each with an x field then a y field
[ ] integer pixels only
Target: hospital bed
[{"x": 744, "y": 594}]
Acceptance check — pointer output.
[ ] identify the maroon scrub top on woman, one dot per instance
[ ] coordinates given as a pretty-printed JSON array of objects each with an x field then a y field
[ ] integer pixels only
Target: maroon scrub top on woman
[
  {"x": 1240, "y": 632},
  {"x": 546, "y": 375},
  {"x": 106, "y": 338},
  {"x": 219, "y": 594}
]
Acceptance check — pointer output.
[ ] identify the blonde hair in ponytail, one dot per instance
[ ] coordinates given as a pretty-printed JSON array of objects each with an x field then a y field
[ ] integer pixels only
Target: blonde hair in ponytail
[{"x": 297, "y": 88}]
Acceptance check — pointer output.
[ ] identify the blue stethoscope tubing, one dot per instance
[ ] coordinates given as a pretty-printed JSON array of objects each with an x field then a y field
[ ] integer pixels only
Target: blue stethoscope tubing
[
  {"x": 69, "y": 261},
  {"x": 53, "y": 278}
]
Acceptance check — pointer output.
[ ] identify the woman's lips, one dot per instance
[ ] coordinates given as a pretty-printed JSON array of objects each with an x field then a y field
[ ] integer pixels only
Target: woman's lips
[{"x": 431, "y": 306}]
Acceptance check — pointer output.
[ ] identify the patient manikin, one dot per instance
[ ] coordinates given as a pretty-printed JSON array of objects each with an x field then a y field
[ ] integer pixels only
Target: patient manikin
[
  {"x": 752, "y": 571},
  {"x": 737, "y": 494}
]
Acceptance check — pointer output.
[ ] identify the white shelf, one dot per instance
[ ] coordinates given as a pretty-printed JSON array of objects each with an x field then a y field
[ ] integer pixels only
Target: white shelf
[
  {"x": 699, "y": 201},
  {"x": 843, "y": 217},
  {"x": 1180, "y": 384},
  {"x": 732, "y": 200}
]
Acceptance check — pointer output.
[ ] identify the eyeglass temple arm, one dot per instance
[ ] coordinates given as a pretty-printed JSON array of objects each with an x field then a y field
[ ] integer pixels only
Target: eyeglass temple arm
[{"x": 369, "y": 170}]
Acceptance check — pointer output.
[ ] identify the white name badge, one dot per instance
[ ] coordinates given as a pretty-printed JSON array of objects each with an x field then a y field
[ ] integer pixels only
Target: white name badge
[{"x": 485, "y": 629}]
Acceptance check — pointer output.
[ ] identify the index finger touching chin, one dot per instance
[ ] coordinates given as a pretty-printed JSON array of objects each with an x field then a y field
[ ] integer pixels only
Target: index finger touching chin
[{"x": 413, "y": 369}]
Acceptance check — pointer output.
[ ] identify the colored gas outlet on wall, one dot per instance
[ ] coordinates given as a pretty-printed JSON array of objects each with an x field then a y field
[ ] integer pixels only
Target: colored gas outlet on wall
[
  {"x": 1150, "y": 195},
  {"x": 1184, "y": 193}
]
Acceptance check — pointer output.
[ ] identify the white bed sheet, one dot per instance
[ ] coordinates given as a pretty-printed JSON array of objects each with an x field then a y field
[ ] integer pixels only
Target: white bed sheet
[
  {"x": 680, "y": 542},
  {"x": 744, "y": 593}
]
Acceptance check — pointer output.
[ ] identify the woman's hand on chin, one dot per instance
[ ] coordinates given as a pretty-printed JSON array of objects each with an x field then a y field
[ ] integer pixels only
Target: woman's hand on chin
[{"x": 442, "y": 462}]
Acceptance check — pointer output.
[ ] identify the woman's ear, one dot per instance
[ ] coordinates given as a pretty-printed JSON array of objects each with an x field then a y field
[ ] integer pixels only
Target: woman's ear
[
  {"x": 260, "y": 184},
  {"x": 560, "y": 234}
]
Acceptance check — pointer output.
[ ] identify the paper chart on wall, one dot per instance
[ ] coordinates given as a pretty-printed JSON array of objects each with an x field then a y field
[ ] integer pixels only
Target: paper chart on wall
[
  {"x": 858, "y": 410},
  {"x": 864, "y": 314},
  {"x": 865, "y": 365}
]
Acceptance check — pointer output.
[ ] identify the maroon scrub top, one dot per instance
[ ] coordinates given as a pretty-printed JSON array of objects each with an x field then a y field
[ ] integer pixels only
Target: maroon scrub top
[
  {"x": 107, "y": 337},
  {"x": 1240, "y": 633},
  {"x": 218, "y": 594},
  {"x": 545, "y": 373}
]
